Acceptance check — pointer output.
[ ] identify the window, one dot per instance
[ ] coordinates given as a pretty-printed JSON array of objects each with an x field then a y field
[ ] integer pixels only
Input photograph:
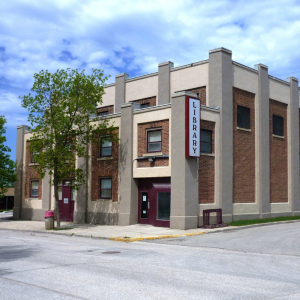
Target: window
[
  {"x": 243, "y": 117},
  {"x": 206, "y": 141},
  {"x": 105, "y": 147},
  {"x": 154, "y": 140},
  {"x": 103, "y": 113},
  {"x": 34, "y": 188},
  {"x": 278, "y": 125},
  {"x": 145, "y": 105},
  {"x": 105, "y": 188},
  {"x": 33, "y": 154}
]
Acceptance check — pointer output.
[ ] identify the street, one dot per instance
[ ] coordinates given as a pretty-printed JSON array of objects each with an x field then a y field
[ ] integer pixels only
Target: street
[{"x": 253, "y": 263}]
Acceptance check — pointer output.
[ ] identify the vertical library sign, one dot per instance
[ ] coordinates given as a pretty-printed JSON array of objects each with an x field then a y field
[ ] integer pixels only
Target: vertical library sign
[{"x": 192, "y": 127}]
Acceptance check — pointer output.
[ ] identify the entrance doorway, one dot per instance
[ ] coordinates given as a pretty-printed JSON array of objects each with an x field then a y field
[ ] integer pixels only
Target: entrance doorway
[
  {"x": 66, "y": 196},
  {"x": 155, "y": 201}
]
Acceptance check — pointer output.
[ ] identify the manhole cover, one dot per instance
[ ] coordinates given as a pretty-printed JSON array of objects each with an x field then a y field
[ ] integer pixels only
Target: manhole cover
[{"x": 111, "y": 252}]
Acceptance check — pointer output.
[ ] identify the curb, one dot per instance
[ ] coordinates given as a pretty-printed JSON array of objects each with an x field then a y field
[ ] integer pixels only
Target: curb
[{"x": 136, "y": 239}]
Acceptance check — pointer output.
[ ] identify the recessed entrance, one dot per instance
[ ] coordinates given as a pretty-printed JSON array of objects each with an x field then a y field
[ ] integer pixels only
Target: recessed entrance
[
  {"x": 155, "y": 201},
  {"x": 66, "y": 198}
]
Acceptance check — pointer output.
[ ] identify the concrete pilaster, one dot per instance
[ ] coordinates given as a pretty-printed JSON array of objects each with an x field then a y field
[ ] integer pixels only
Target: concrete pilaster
[
  {"x": 293, "y": 146},
  {"x": 120, "y": 95},
  {"x": 20, "y": 172},
  {"x": 46, "y": 193},
  {"x": 262, "y": 143},
  {"x": 164, "y": 82},
  {"x": 220, "y": 94},
  {"x": 184, "y": 184},
  {"x": 82, "y": 194},
  {"x": 128, "y": 209}
]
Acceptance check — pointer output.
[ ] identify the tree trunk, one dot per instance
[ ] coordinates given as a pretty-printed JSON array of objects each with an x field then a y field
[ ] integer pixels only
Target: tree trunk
[{"x": 56, "y": 202}]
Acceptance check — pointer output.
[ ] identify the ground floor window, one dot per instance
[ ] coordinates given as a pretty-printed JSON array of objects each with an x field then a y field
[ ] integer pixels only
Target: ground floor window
[
  {"x": 105, "y": 188},
  {"x": 34, "y": 188}
]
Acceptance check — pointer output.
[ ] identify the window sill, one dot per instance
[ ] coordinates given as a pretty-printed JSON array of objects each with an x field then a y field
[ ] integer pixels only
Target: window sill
[
  {"x": 278, "y": 136},
  {"x": 32, "y": 198},
  {"x": 152, "y": 154},
  {"x": 243, "y": 129},
  {"x": 207, "y": 154},
  {"x": 105, "y": 158},
  {"x": 104, "y": 199},
  {"x": 33, "y": 164}
]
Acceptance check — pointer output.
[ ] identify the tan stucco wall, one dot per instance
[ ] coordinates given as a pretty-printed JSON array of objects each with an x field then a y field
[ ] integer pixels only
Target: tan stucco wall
[
  {"x": 279, "y": 91},
  {"x": 109, "y": 97},
  {"x": 245, "y": 79},
  {"x": 142, "y": 88},
  {"x": 188, "y": 78}
]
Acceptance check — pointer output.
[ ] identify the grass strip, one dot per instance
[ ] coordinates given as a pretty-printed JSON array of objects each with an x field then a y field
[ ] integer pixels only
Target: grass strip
[
  {"x": 58, "y": 229},
  {"x": 260, "y": 221}
]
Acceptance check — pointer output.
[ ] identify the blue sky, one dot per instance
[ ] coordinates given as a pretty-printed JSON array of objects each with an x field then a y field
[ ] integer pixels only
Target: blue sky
[{"x": 134, "y": 37}]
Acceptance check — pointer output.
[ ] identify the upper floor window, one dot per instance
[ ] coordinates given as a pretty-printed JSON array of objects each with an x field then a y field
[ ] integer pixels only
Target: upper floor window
[
  {"x": 206, "y": 141},
  {"x": 145, "y": 105},
  {"x": 33, "y": 155},
  {"x": 154, "y": 140},
  {"x": 243, "y": 117},
  {"x": 103, "y": 113},
  {"x": 105, "y": 147},
  {"x": 34, "y": 188},
  {"x": 278, "y": 125}
]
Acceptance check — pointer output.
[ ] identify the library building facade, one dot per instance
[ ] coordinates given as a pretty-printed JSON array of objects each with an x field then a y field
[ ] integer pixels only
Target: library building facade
[{"x": 214, "y": 134}]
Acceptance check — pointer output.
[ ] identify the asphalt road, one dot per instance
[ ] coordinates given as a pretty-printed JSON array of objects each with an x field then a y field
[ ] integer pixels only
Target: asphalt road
[{"x": 253, "y": 263}]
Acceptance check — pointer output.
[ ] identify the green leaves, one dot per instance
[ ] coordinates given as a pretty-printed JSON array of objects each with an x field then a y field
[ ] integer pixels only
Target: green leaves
[
  {"x": 7, "y": 166},
  {"x": 59, "y": 113}
]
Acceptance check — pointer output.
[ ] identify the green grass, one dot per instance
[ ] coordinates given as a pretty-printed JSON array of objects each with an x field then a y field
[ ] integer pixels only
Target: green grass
[
  {"x": 260, "y": 221},
  {"x": 2, "y": 210}
]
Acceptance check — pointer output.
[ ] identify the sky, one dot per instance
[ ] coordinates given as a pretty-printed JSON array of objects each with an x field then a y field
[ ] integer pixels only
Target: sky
[{"x": 134, "y": 37}]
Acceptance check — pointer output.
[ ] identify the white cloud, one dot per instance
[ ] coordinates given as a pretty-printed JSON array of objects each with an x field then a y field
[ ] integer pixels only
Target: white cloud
[{"x": 133, "y": 36}]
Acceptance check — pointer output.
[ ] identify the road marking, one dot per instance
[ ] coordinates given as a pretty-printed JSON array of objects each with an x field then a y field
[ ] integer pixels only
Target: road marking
[{"x": 130, "y": 239}]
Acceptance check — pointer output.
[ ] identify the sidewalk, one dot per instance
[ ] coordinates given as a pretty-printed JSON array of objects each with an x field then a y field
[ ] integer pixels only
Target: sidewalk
[{"x": 129, "y": 233}]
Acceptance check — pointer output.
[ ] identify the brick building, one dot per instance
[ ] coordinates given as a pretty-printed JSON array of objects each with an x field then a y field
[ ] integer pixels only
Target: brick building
[{"x": 249, "y": 161}]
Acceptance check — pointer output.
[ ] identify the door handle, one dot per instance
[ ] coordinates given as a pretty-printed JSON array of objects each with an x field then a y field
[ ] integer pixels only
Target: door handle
[{"x": 148, "y": 205}]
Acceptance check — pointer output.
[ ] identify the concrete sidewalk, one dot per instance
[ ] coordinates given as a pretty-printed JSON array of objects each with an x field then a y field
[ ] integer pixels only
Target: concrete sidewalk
[{"x": 119, "y": 233}]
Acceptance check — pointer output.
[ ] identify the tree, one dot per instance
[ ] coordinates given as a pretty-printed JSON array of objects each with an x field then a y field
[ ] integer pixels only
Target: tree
[
  {"x": 60, "y": 116},
  {"x": 7, "y": 166}
]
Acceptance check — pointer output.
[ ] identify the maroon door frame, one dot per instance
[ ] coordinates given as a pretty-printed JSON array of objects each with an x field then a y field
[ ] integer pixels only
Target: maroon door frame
[
  {"x": 66, "y": 204},
  {"x": 152, "y": 186}
]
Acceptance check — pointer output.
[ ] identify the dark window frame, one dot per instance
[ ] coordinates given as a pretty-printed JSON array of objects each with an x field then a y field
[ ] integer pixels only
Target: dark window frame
[
  {"x": 148, "y": 143},
  {"x": 103, "y": 113},
  {"x": 243, "y": 117},
  {"x": 34, "y": 180},
  {"x": 100, "y": 189},
  {"x": 145, "y": 105},
  {"x": 278, "y": 125},
  {"x": 101, "y": 147},
  {"x": 205, "y": 142}
]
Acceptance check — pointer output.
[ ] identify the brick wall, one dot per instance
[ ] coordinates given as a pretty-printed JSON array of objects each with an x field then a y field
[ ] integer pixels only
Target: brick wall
[
  {"x": 108, "y": 167},
  {"x": 109, "y": 108},
  {"x": 150, "y": 100},
  {"x": 243, "y": 150},
  {"x": 206, "y": 169},
  {"x": 278, "y": 156},
  {"x": 201, "y": 93},
  {"x": 31, "y": 174},
  {"x": 142, "y": 143}
]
